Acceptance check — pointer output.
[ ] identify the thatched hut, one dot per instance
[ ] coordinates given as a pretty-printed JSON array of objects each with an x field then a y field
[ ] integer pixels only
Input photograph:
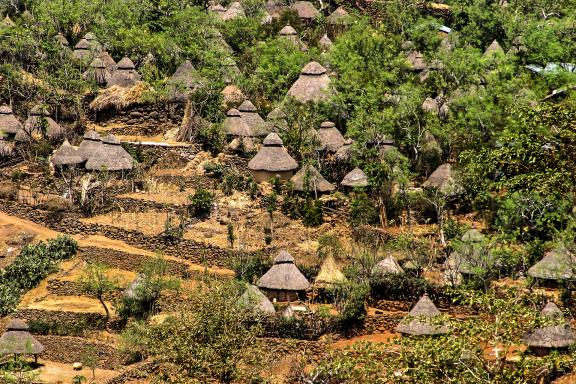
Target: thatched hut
[
  {"x": 90, "y": 144},
  {"x": 493, "y": 49},
  {"x": 254, "y": 299},
  {"x": 61, "y": 39},
  {"x": 556, "y": 336},
  {"x": 355, "y": 179},
  {"x": 67, "y": 155},
  {"x": 93, "y": 42},
  {"x": 344, "y": 153},
  {"x": 469, "y": 259},
  {"x": 312, "y": 85},
  {"x": 330, "y": 137},
  {"x": 325, "y": 43},
  {"x": 253, "y": 120},
  {"x": 338, "y": 20},
  {"x": 6, "y": 149},
  {"x": 107, "y": 60},
  {"x": 557, "y": 265},
  {"x": 234, "y": 11},
  {"x": 97, "y": 72},
  {"x": 110, "y": 156},
  {"x": 272, "y": 160},
  {"x": 441, "y": 179},
  {"x": 38, "y": 120},
  {"x": 276, "y": 120},
  {"x": 389, "y": 265},
  {"x": 420, "y": 321},
  {"x": 83, "y": 52},
  {"x": 8, "y": 122},
  {"x": 184, "y": 81},
  {"x": 308, "y": 179},
  {"x": 307, "y": 12},
  {"x": 289, "y": 33},
  {"x": 284, "y": 281},
  {"x": 18, "y": 341},
  {"x": 7, "y": 22},
  {"x": 230, "y": 70},
  {"x": 234, "y": 125},
  {"x": 416, "y": 60},
  {"x": 329, "y": 275},
  {"x": 232, "y": 96},
  {"x": 125, "y": 75}
]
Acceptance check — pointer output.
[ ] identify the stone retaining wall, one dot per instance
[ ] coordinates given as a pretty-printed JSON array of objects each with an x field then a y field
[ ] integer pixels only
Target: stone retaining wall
[
  {"x": 62, "y": 322},
  {"x": 69, "y": 349},
  {"x": 380, "y": 323}
]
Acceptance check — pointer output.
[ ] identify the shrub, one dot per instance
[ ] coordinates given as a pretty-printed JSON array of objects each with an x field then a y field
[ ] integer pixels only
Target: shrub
[
  {"x": 201, "y": 202},
  {"x": 350, "y": 301},
  {"x": 362, "y": 210},
  {"x": 313, "y": 214},
  {"x": 8, "y": 191}
]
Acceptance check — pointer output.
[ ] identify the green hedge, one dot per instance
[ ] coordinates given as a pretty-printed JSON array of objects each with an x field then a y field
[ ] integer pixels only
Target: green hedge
[{"x": 34, "y": 263}]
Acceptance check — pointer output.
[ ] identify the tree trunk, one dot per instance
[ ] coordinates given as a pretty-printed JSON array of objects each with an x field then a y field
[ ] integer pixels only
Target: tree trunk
[{"x": 105, "y": 306}]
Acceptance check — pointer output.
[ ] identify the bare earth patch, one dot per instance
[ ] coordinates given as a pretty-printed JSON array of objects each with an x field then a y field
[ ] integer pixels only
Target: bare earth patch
[
  {"x": 53, "y": 372},
  {"x": 79, "y": 304},
  {"x": 148, "y": 223}
]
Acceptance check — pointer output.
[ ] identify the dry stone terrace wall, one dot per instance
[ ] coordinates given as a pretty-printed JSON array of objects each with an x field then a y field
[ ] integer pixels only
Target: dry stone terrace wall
[
  {"x": 69, "y": 349},
  {"x": 63, "y": 319}
]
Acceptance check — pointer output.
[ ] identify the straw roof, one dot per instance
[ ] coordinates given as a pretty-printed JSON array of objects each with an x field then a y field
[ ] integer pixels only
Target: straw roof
[
  {"x": 97, "y": 72},
  {"x": 276, "y": 120},
  {"x": 6, "y": 148},
  {"x": 387, "y": 266},
  {"x": 312, "y": 85},
  {"x": 308, "y": 179},
  {"x": 339, "y": 17},
  {"x": 330, "y": 137},
  {"x": 8, "y": 122},
  {"x": 252, "y": 119},
  {"x": 355, "y": 178},
  {"x": 8, "y": 21},
  {"x": 18, "y": 341},
  {"x": 124, "y": 75},
  {"x": 305, "y": 10},
  {"x": 325, "y": 42},
  {"x": 551, "y": 336},
  {"x": 82, "y": 51},
  {"x": 254, "y": 298},
  {"x": 441, "y": 179},
  {"x": 288, "y": 313},
  {"x": 289, "y": 33},
  {"x": 184, "y": 80},
  {"x": 110, "y": 156},
  {"x": 61, "y": 39},
  {"x": 232, "y": 95},
  {"x": 34, "y": 123},
  {"x": 493, "y": 48},
  {"x": 234, "y": 125},
  {"x": 288, "y": 30},
  {"x": 329, "y": 274},
  {"x": 416, "y": 60},
  {"x": 107, "y": 60},
  {"x": 272, "y": 157},
  {"x": 344, "y": 153},
  {"x": 90, "y": 144},
  {"x": 420, "y": 319},
  {"x": 557, "y": 264},
  {"x": 67, "y": 155},
  {"x": 234, "y": 11},
  {"x": 284, "y": 275}
]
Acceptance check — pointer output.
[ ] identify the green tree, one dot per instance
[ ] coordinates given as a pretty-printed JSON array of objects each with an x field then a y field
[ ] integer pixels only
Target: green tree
[{"x": 96, "y": 281}]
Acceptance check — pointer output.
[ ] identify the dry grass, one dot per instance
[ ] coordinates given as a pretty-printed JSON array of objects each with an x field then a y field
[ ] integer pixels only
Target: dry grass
[
  {"x": 118, "y": 97},
  {"x": 149, "y": 223},
  {"x": 161, "y": 193},
  {"x": 78, "y": 304}
]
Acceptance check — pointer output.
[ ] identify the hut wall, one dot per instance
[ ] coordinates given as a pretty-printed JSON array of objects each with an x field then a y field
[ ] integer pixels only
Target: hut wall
[
  {"x": 261, "y": 176},
  {"x": 284, "y": 296}
]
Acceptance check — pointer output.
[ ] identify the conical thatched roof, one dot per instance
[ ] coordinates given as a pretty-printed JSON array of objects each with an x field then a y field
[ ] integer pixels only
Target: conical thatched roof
[
  {"x": 61, "y": 39},
  {"x": 234, "y": 125},
  {"x": 551, "y": 336},
  {"x": 254, "y": 298},
  {"x": 288, "y": 30},
  {"x": 184, "y": 80},
  {"x": 272, "y": 157},
  {"x": 308, "y": 179},
  {"x": 8, "y": 122},
  {"x": 83, "y": 44},
  {"x": 18, "y": 341},
  {"x": 284, "y": 275},
  {"x": 107, "y": 60},
  {"x": 290, "y": 34},
  {"x": 329, "y": 274},
  {"x": 252, "y": 119},
  {"x": 90, "y": 144},
  {"x": 416, "y": 60},
  {"x": 339, "y": 17},
  {"x": 330, "y": 137},
  {"x": 125, "y": 75},
  {"x": 34, "y": 123},
  {"x": 305, "y": 10},
  {"x": 557, "y": 264},
  {"x": 355, "y": 178},
  {"x": 97, "y": 72},
  {"x": 66, "y": 155},
  {"x": 125, "y": 63},
  {"x": 312, "y": 85},
  {"x": 325, "y": 42},
  {"x": 234, "y": 11},
  {"x": 386, "y": 266},
  {"x": 110, "y": 156},
  {"x": 344, "y": 153},
  {"x": 232, "y": 95},
  {"x": 82, "y": 51},
  {"x": 420, "y": 320},
  {"x": 441, "y": 179},
  {"x": 493, "y": 48},
  {"x": 8, "y": 21}
]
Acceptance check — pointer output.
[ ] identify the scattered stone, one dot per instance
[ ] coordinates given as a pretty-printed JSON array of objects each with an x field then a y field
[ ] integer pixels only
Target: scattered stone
[{"x": 77, "y": 366}]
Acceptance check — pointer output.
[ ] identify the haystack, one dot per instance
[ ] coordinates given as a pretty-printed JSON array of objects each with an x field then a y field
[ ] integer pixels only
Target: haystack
[
  {"x": 340, "y": 17},
  {"x": 232, "y": 96},
  {"x": 308, "y": 179},
  {"x": 97, "y": 72},
  {"x": 8, "y": 122},
  {"x": 494, "y": 48},
  {"x": 325, "y": 43},
  {"x": 18, "y": 341},
  {"x": 184, "y": 81},
  {"x": 110, "y": 156},
  {"x": 441, "y": 179},
  {"x": 355, "y": 179},
  {"x": 91, "y": 143},
  {"x": 420, "y": 321},
  {"x": 254, "y": 299},
  {"x": 289, "y": 33},
  {"x": 387, "y": 266},
  {"x": 125, "y": 75},
  {"x": 107, "y": 60},
  {"x": 283, "y": 281},
  {"x": 272, "y": 160},
  {"x": 306, "y": 10},
  {"x": 252, "y": 119},
  {"x": 558, "y": 264},
  {"x": 38, "y": 120},
  {"x": 312, "y": 85},
  {"x": 555, "y": 336},
  {"x": 118, "y": 97},
  {"x": 330, "y": 274},
  {"x": 234, "y": 125},
  {"x": 330, "y": 137},
  {"x": 67, "y": 155},
  {"x": 416, "y": 60},
  {"x": 234, "y": 11}
]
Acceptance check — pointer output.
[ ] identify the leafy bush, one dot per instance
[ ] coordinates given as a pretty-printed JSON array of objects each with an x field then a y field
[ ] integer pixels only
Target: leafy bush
[
  {"x": 201, "y": 202},
  {"x": 249, "y": 267},
  {"x": 362, "y": 210},
  {"x": 351, "y": 303},
  {"x": 313, "y": 214}
]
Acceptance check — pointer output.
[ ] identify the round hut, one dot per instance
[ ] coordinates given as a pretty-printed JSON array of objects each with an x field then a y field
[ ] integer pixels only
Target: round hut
[
  {"x": 108, "y": 61},
  {"x": 272, "y": 160},
  {"x": 110, "y": 156},
  {"x": 284, "y": 281},
  {"x": 18, "y": 341},
  {"x": 90, "y": 144},
  {"x": 61, "y": 39},
  {"x": 325, "y": 43},
  {"x": 557, "y": 265},
  {"x": 416, "y": 60},
  {"x": 93, "y": 42},
  {"x": 329, "y": 275},
  {"x": 254, "y": 299},
  {"x": 338, "y": 20},
  {"x": 493, "y": 49},
  {"x": 9, "y": 124},
  {"x": 82, "y": 51},
  {"x": 289, "y": 33},
  {"x": 312, "y": 85},
  {"x": 184, "y": 80},
  {"x": 97, "y": 72},
  {"x": 441, "y": 179},
  {"x": 38, "y": 120},
  {"x": 308, "y": 179},
  {"x": 125, "y": 75},
  {"x": 307, "y": 12},
  {"x": 67, "y": 155},
  {"x": 235, "y": 10},
  {"x": 234, "y": 125},
  {"x": 232, "y": 96},
  {"x": 330, "y": 137},
  {"x": 253, "y": 120},
  {"x": 420, "y": 321},
  {"x": 276, "y": 120},
  {"x": 389, "y": 265},
  {"x": 344, "y": 153},
  {"x": 355, "y": 179},
  {"x": 556, "y": 336}
]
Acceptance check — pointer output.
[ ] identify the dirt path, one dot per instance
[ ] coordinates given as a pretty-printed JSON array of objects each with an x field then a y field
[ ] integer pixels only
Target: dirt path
[
  {"x": 372, "y": 338},
  {"x": 53, "y": 372}
]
